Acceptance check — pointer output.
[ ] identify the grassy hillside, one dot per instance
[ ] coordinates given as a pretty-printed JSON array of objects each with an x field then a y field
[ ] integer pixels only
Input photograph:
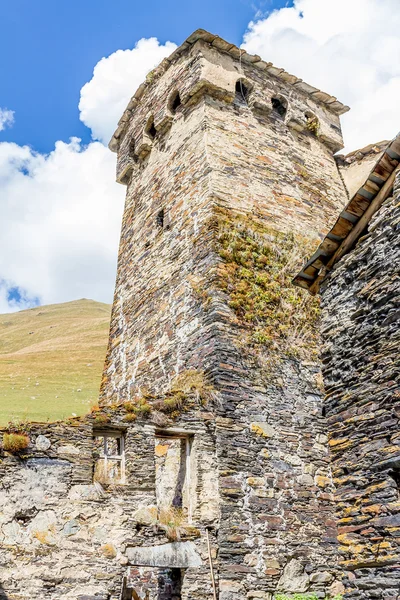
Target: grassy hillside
[{"x": 51, "y": 359}]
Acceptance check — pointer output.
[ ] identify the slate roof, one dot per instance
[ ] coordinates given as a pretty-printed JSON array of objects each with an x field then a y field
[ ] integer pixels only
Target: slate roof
[{"x": 331, "y": 249}]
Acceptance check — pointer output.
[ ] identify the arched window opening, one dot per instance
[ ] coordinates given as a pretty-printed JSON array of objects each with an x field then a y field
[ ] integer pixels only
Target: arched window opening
[
  {"x": 175, "y": 102},
  {"x": 241, "y": 92},
  {"x": 279, "y": 105},
  {"x": 312, "y": 123},
  {"x": 150, "y": 128}
]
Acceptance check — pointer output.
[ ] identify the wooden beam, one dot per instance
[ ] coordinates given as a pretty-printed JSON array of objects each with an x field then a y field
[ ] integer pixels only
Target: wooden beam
[{"x": 358, "y": 228}]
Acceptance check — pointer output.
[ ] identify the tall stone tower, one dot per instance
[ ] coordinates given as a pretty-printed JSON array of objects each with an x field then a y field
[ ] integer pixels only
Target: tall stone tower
[{"x": 231, "y": 178}]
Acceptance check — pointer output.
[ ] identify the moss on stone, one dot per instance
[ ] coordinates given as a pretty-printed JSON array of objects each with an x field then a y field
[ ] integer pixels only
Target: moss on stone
[{"x": 256, "y": 272}]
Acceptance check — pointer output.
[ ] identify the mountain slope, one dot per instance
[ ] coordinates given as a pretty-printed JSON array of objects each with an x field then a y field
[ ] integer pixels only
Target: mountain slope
[{"x": 51, "y": 359}]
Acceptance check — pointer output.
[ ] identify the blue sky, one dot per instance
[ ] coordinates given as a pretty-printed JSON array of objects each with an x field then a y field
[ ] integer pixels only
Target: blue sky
[
  {"x": 48, "y": 49},
  {"x": 67, "y": 71}
]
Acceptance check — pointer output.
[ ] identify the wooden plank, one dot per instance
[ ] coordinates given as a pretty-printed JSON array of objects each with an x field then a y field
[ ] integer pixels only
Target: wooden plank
[
  {"x": 371, "y": 187},
  {"x": 311, "y": 270},
  {"x": 358, "y": 205},
  {"x": 342, "y": 227},
  {"x": 329, "y": 246}
]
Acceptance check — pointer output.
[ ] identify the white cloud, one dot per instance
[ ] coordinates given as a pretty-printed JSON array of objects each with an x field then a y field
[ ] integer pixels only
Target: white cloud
[
  {"x": 61, "y": 213},
  {"x": 349, "y": 48},
  {"x": 115, "y": 79},
  {"x": 60, "y": 226},
  {"x": 6, "y": 118}
]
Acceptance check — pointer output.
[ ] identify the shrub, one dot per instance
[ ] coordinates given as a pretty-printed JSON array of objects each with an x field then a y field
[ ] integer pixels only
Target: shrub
[
  {"x": 174, "y": 403},
  {"x": 192, "y": 382},
  {"x": 15, "y": 442},
  {"x": 101, "y": 419},
  {"x": 143, "y": 407},
  {"x": 130, "y": 407},
  {"x": 130, "y": 417},
  {"x": 170, "y": 520}
]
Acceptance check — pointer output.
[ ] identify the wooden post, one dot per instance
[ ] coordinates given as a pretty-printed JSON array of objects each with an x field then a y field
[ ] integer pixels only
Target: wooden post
[{"x": 211, "y": 565}]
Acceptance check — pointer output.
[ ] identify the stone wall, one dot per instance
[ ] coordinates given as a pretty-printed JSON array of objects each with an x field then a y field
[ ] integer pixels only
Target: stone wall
[
  {"x": 360, "y": 301},
  {"x": 222, "y": 154},
  {"x": 64, "y": 536}
]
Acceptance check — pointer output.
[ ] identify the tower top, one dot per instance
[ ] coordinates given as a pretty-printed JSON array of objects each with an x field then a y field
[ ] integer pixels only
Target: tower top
[{"x": 214, "y": 41}]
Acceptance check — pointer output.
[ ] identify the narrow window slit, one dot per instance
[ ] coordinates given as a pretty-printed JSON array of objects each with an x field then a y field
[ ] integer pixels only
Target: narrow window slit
[
  {"x": 160, "y": 218},
  {"x": 175, "y": 102},
  {"x": 151, "y": 129}
]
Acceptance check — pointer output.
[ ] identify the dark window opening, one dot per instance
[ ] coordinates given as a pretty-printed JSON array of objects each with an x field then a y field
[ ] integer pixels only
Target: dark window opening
[
  {"x": 169, "y": 584},
  {"x": 279, "y": 106},
  {"x": 160, "y": 218},
  {"x": 175, "y": 102},
  {"x": 150, "y": 129},
  {"x": 241, "y": 92},
  {"x": 395, "y": 475}
]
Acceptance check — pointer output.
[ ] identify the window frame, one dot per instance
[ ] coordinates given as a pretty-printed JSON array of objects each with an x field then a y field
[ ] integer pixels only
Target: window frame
[{"x": 105, "y": 457}]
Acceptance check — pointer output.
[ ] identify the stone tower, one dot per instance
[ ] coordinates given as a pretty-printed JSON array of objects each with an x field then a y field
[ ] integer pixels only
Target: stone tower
[{"x": 231, "y": 178}]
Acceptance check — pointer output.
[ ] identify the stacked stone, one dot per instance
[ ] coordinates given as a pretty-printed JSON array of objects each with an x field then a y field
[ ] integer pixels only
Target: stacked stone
[
  {"x": 64, "y": 536},
  {"x": 361, "y": 336},
  {"x": 274, "y": 527}
]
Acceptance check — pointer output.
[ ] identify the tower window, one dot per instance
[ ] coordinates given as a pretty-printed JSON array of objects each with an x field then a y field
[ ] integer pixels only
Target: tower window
[
  {"x": 279, "y": 105},
  {"x": 160, "y": 218},
  {"x": 312, "y": 123},
  {"x": 175, "y": 102},
  {"x": 241, "y": 92},
  {"x": 150, "y": 128}
]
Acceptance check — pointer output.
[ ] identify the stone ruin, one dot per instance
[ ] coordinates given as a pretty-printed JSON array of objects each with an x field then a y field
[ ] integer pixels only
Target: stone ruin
[{"x": 205, "y": 471}]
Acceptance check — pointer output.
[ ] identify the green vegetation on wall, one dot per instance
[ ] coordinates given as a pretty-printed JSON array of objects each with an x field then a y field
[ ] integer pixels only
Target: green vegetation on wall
[{"x": 258, "y": 264}]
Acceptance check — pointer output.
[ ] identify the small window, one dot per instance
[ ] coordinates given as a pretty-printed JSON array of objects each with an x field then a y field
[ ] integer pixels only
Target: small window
[
  {"x": 312, "y": 123},
  {"x": 150, "y": 128},
  {"x": 241, "y": 92},
  {"x": 109, "y": 454},
  {"x": 175, "y": 102},
  {"x": 279, "y": 105},
  {"x": 160, "y": 218}
]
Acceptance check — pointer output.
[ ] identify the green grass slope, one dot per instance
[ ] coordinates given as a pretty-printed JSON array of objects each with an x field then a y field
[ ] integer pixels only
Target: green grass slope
[{"x": 51, "y": 360}]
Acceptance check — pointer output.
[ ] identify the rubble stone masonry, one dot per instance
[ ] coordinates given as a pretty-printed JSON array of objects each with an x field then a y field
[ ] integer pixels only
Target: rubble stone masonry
[
  {"x": 216, "y": 145},
  {"x": 360, "y": 307},
  {"x": 227, "y": 150}
]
